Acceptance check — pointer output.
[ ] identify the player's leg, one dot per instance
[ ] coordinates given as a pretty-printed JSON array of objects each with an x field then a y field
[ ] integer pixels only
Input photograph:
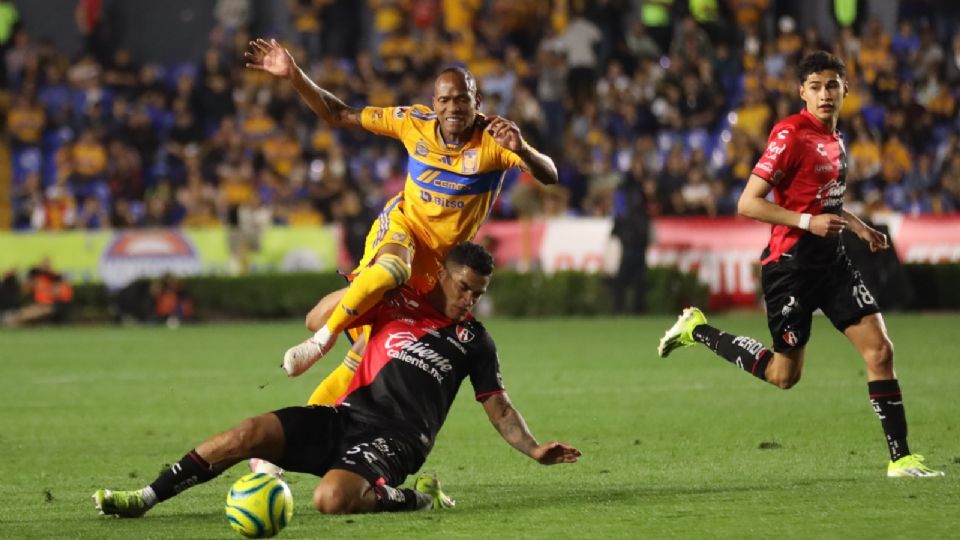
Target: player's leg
[
  {"x": 346, "y": 492},
  {"x": 338, "y": 381},
  {"x": 258, "y": 436},
  {"x": 789, "y": 321},
  {"x": 386, "y": 265},
  {"x": 781, "y": 369},
  {"x": 853, "y": 310},
  {"x": 391, "y": 268},
  {"x": 365, "y": 475}
]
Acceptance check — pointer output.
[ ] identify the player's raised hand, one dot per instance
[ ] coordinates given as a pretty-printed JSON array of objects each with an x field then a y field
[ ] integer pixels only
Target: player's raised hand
[
  {"x": 827, "y": 225},
  {"x": 874, "y": 238},
  {"x": 505, "y": 133},
  {"x": 555, "y": 452},
  {"x": 270, "y": 57}
]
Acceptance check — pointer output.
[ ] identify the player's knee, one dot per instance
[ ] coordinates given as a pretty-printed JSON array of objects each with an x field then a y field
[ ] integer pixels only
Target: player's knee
[
  {"x": 783, "y": 381},
  {"x": 880, "y": 356},
  {"x": 332, "y": 499}
]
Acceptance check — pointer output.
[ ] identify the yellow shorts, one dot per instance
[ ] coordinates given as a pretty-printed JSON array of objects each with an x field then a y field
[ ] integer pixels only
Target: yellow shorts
[{"x": 392, "y": 227}]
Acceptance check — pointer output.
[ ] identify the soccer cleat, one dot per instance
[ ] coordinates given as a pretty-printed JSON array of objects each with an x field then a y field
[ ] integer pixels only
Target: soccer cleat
[
  {"x": 263, "y": 466},
  {"x": 910, "y": 466},
  {"x": 429, "y": 483},
  {"x": 681, "y": 333},
  {"x": 126, "y": 504},
  {"x": 300, "y": 357}
]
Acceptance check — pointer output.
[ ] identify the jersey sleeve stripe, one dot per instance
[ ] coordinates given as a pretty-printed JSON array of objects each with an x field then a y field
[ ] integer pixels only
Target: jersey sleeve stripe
[{"x": 485, "y": 395}]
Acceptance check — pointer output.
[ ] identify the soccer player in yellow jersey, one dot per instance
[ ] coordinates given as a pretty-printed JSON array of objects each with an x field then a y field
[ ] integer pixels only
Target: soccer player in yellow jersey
[{"x": 457, "y": 158}]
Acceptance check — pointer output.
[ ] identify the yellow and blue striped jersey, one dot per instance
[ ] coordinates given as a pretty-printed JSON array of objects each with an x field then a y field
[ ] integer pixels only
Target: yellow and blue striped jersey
[{"x": 449, "y": 190}]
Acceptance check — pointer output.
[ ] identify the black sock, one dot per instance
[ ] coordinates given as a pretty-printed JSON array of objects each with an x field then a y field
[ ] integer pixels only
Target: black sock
[
  {"x": 887, "y": 402},
  {"x": 744, "y": 352},
  {"x": 391, "y": 499},
  {"x": 188, "y": 472}
]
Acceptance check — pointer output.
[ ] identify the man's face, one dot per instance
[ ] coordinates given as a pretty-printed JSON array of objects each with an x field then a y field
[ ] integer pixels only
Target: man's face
[
  {"x": 823, "y": 93},
  {"x": 461, "y": 287},
  {"x": 455, "y": 104}
]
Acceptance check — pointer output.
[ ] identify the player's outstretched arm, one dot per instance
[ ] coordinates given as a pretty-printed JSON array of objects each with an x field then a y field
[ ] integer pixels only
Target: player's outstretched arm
[
  {"x": 270, "y": 57},
  {"x": 511, "y": 426},
  {"x": 753, "y": 204},
  {"x": 507, "y": 134}
]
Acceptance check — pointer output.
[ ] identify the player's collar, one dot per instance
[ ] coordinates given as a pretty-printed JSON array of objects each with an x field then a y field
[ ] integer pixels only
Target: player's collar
[
  {"x": 443, "y": 141},
  {"x": 817, "y": 123}
]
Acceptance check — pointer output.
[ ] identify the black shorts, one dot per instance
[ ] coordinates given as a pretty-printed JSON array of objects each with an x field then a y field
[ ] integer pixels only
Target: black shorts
[
  {"x": 792, "y": 293},
  {"x": 320, "y": 438}
]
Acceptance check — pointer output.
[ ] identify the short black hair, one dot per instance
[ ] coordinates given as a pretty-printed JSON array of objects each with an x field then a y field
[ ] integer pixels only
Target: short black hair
[
  {"x": 473, "y": 256},
  {"x": 816, "y": 62},
  {"x": 468, "y": 77}
]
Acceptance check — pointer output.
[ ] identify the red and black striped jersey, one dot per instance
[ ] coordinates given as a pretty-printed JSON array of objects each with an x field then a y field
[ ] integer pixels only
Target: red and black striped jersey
[
  {"x": 806, "y": 164},
  {"x": 413, "y": 365}
]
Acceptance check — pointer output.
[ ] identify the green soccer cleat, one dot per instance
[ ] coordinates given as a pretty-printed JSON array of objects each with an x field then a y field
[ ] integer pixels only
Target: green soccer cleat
[
  {"x": 910, "y": 466},
  {"x": 681, "y": 333},
  {"x": 127, "y": 504},
  {"x": 429, "y": 483}
]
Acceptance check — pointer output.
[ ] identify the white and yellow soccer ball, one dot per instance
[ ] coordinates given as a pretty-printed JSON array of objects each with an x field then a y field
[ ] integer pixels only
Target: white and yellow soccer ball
[{"x": 259, "y": 505}]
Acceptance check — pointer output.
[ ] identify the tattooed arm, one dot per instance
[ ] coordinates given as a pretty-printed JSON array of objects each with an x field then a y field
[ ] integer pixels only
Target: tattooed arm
[{"x": 511, "y": 426}]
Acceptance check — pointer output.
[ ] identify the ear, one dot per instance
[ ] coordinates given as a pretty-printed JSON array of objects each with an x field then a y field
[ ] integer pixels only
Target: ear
[
  {"x": 846, "y": 88},
  {"x": 479, "y": 99}
]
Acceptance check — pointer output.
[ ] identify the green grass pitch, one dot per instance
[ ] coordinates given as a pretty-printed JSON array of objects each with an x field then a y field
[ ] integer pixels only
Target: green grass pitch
[{"x": 684, "y": 447}]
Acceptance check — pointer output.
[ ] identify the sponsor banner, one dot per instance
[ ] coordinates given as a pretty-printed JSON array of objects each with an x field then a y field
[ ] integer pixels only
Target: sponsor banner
[
  {"x": 724, "y": 253},
  {"x": 118, "y": 257},
  {"x": 578, "y": 244},
  {"x": 514, "y": 244},
  {"x": 925, "y": 239}
]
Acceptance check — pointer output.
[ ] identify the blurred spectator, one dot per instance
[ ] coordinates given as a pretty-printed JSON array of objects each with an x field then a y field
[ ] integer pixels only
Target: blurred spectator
[
  {"x": 10, "y": 293},
  {"x": 49, "y": 294},
  {"x": 631, "y": 227},
  {"x": 192, "y": 144},
  {"x": 579, "y": 41},
  {"x": 172, "y": 302}
]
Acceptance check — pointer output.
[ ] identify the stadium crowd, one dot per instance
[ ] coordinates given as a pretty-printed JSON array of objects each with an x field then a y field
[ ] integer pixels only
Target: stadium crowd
[{"x": 669, "y": 99}]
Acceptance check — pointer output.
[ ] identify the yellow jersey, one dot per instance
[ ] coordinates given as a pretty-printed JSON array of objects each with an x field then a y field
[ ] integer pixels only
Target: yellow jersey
[{"x": 449, "y": 190}]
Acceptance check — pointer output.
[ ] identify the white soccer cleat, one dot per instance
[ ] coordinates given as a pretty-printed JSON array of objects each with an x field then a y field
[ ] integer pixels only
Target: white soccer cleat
[
  {"x": 258, "y": 465},
  {"x": 300, "y": 357}
]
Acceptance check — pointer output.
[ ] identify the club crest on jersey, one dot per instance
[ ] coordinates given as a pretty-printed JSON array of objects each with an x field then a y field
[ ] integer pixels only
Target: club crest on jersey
[
  {"x": 790, "y": 337},
  {"x": 400, "y": 112},
  {"x": 464, "y": 334},
  {"x": 831, "y": 194},
  {"x": 470, "y": 161},
  {"x": 422, "y": 148}
]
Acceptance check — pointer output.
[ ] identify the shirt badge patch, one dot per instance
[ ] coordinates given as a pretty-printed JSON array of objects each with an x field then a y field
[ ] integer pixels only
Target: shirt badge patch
[
  {"x": 422, "y": 148},
  {"x": 470, "y": 161},
  {"x": 464, "y": 335}
]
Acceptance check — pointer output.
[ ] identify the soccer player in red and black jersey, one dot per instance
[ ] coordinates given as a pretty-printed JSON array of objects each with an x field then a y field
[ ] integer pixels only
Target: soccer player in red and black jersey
[
  {"x": 421, "y": 349},
  {"x": 804, "y": 267}
]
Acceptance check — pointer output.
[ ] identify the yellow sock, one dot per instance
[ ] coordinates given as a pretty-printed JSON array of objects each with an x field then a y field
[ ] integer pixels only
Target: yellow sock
[
  {"x": 337, "y": 382},
  {"x": 367, "y": 289}
]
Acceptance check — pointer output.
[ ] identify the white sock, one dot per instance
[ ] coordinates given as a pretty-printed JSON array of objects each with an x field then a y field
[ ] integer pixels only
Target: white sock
[
  {"x": 322, "y": 337},
  {"x": 148, "y": 496}
]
